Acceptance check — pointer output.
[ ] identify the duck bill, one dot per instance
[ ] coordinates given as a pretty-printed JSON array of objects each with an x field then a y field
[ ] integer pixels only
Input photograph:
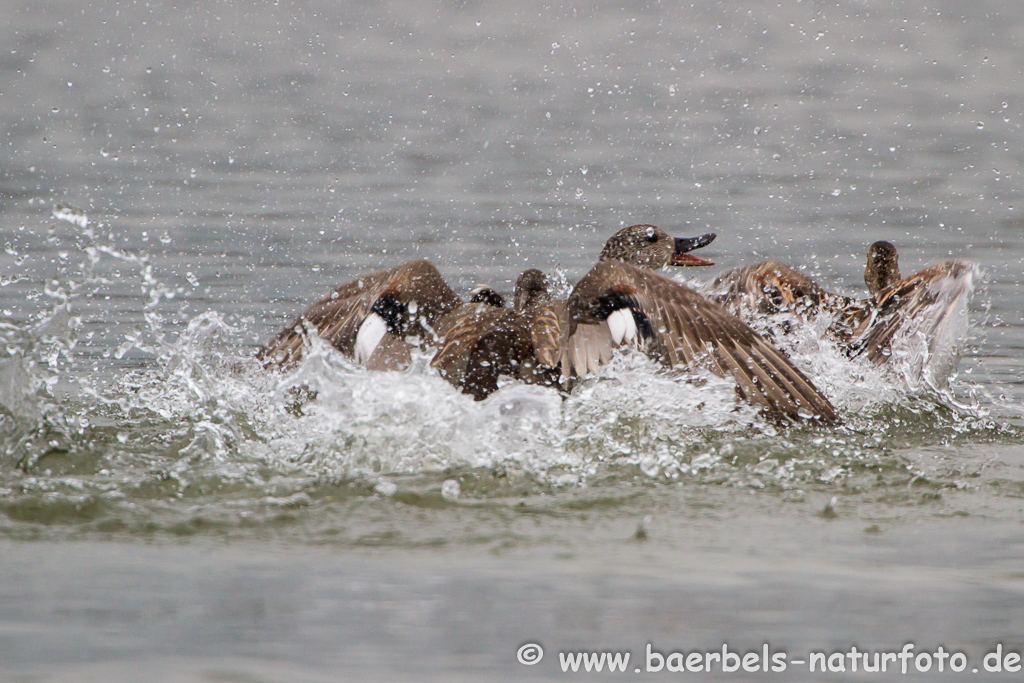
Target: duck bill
[
  {"x": 684, "y": 245},
  {"x": 690, "y": 260}
]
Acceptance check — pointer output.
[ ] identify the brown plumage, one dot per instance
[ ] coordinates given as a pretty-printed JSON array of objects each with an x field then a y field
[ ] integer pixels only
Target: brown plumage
[
  {"x": 861, "y": 328},
  {"x": 527, "y": 343},
  {"x": 925, "y": 300},
  {"x": 651, "y": 247},
  {"x": 520, "y": 343},
  {"x": 621, "y": 302},
  {"x": 411, "y": 302},
  {"x": 618, "y": 303},
  {"x": 883, "y": 268},
  {"x": 771, "y": 288}
]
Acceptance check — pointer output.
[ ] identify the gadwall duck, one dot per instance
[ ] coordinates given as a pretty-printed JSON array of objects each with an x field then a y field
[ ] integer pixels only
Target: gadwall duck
[
  {"x": 622, "y": 302},
  {"x": 520, "y": 343},
  {"x": 927, "y": 303},
  {"x": 867, "y": 327},
  {"x": 379, "y": 318}
]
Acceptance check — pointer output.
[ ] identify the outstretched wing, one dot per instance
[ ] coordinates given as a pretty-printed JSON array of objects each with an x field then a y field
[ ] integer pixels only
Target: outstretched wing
[
  {"x": 926, "y": 303},
  {"x": 616, "y": 302},
  {"x": 769, "y": 288},
  {"x": 338, "y": 315}
]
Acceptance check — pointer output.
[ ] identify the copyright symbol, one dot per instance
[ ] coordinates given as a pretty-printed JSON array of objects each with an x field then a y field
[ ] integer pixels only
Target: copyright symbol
[{"x": 530, "y": 654}]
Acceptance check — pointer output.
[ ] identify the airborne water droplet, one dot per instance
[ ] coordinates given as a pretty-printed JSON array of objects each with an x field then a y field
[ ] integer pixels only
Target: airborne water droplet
[{"x": 450, "y": 490}]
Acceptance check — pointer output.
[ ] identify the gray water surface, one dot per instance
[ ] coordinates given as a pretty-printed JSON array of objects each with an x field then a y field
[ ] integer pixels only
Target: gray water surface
[{"x": 171, "y": 512}]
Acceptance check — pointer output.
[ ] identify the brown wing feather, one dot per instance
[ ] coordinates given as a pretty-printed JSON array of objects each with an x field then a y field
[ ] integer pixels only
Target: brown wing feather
[
  {"x": 337, "y": 316},
  {"x": 770, "y": 288},
  {"x": 491, "y": 342},
  {"x": 868, "y": 327},
  {"x": 484, "y": 346},
  {"x": 473, "y": 323},
  {"x": 686, "y": 328},
  {"x": 548, "y": 332}
]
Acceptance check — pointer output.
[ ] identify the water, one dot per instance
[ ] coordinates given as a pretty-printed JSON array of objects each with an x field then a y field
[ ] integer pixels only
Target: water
[{"x": 178, "y": 182}]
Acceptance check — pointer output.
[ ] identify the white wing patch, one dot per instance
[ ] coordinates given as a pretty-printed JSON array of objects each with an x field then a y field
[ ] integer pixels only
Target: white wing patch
[
  {"x": 622, "y": 326},
  {"x": 370, "y": 333}
]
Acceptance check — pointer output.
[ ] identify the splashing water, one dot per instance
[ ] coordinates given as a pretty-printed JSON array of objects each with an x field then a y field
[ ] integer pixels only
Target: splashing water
[{"x": 194, "y": 433}]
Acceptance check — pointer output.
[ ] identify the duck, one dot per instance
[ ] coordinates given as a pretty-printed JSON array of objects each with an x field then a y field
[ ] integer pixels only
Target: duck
[
  {"x": 926, "y": 304},
  {"x": 925, "y": 301},
  {"x": 521, "y": 342},
  {"x": 379, "y": 318},
  {"x": 623, "y": 302}
]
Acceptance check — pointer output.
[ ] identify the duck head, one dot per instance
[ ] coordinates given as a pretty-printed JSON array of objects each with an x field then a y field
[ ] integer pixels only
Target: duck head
[
  {"x": 531, "y": 287},
  {"x": 651, "y": 247},
  {"x": 883, "y": 268}
]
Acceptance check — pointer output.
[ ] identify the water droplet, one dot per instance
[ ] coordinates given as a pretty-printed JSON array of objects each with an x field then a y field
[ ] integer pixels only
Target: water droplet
[
  {"x": 649, "y": 466},
  {"x": 450, "y": 490},
  {"x": 385, "y": 488},
  {"x": 980, "y": 125}
]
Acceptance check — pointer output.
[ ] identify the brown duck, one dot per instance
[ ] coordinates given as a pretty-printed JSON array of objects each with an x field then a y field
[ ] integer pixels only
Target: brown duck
[
  {"x": 866, "y": 327},
  {"x": 520, "y": 343},
  {"x": 928, "y": 300},
  {"x": 379, "y": 318}
]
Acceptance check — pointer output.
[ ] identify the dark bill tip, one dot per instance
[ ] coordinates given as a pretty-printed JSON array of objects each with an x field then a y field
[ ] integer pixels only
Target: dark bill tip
[
  {"x": 688, "y": 244},
  {"x": 685, "y": 244}
]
